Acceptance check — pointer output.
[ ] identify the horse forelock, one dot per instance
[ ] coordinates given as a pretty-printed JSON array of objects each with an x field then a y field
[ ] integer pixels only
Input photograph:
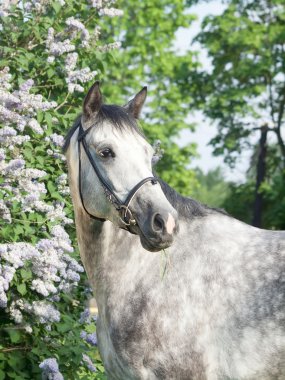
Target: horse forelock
[{"x": 116, "y": 115}]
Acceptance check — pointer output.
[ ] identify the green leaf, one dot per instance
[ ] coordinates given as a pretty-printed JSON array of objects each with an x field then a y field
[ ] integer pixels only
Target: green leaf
[
  {"x": 56, "y": 6},
  {"x": 51, "y": 187},
  {"x": 15, "y": 335},
  {"x": 26, "y": 274},
  {"x": 22, "y": 289}
]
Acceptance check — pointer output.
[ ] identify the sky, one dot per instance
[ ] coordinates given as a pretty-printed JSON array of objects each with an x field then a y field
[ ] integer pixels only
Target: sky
[{"x": 205, "y": 130}]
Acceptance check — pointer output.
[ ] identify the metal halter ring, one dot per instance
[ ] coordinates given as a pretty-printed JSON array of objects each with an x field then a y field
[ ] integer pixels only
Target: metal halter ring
[{"x": 127, "y": 216}]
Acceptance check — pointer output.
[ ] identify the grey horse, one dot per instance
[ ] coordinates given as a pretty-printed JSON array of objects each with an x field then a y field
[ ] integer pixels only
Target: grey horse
[{"x": 184, "y": 291}]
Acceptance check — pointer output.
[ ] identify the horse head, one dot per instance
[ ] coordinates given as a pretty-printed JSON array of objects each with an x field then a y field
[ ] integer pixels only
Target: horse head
[{"x": 111, "y": 163}]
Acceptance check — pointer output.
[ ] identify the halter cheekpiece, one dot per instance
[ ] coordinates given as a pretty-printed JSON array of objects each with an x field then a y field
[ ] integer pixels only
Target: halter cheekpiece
[{"x": 125, "y": 213}]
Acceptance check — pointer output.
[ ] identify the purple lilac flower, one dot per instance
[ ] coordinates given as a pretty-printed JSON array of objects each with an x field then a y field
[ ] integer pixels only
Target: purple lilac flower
[
  {"x": 92, "y": 339},
  {"x": 90, "y": 365},
  {"x": 85, "y": 316},
  {"x": 26, "y": 86},
  {"x": 45, "y": 312},
  {"x": 45, "y": 244},
  {"x": 14, "y": 165},
  {"x": 8, "y": 131},
  {"x": 3, "y": 299},
  {"x": 49, "y": 365},
  {"x": 89, "y": 338},
  {"x": 72, "y": 276},
  {"x": 2, "y": 155},
  {"x": 50, "y": 370},
  {"x": 57, "y": 140}
]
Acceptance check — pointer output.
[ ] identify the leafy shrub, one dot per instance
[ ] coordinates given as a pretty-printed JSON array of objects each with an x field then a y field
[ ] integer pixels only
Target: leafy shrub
[{"x": 46, "y": 52}]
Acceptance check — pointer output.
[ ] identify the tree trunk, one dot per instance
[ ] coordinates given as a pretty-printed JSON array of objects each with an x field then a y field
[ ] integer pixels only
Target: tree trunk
[{"x": 260, "y": 176}]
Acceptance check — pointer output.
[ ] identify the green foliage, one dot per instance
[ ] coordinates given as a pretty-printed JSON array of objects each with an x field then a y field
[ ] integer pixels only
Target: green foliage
[
  {"x": 240, "y": 198},
  {"x": 212, "y": 189},
  {"x": 239, "y": 202}
]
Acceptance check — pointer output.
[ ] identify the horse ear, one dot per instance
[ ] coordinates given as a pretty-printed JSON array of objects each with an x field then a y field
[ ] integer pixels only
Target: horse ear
[
  {"x": 135, "y": 105},
  {"x": 93, "y": 101}
]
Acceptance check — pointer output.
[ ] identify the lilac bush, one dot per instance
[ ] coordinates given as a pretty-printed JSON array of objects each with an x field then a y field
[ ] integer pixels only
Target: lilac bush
[{"x": 48, "y": 48}]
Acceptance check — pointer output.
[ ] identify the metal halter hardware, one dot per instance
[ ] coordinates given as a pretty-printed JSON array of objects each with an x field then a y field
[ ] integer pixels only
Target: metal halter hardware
[{"x": 126, "y": 215}]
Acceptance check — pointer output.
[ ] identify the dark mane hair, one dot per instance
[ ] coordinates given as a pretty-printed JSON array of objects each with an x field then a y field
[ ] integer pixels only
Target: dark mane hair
[
  {"x": 117, "y": 115},
  {"x": 187, "y": 206}
]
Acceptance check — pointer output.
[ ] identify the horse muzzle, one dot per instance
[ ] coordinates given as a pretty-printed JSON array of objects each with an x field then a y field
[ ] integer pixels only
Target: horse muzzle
[{"x": 159, "y": 230}]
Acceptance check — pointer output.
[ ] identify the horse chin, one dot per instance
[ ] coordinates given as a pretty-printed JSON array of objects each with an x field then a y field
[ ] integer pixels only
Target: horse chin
[{"x": 148, "y": 245}]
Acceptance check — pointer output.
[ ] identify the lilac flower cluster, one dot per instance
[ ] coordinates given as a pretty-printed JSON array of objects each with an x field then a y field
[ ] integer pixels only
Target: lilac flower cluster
[
  {"x": 90, "y": 365},
  {"x": 60, "y": 44},
  {"x": 89, "y": 338},
  {"x": 75, "y": 26},
  {"x": 105, "y": 9},
  {"x": 56, "y": 47},
  {"x": 33, "y": 277},
  {"x": 20, "y": 106},
  {"x": 109, "y": 47},
  {"x": 54, "y": 271},
  {"x": 55, "y": 139},
  {"x": 74, "y": 76},
  {"x": 13, "y": 256},
  {"x": 5, "y": 213},
  {"x": 111, "y": 12},
  {"x": 64, "y": 43},
  {"x": 39, "y": 6},
  {"x": 50, "y": 370},
  {"x": 62, "y": 186},
  {"x": 21, "y": 184},
  {"x": 86, "y": 317}
]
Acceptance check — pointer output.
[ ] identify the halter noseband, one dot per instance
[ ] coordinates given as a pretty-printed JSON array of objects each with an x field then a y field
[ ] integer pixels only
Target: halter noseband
[{"x": 126, "y": 215}]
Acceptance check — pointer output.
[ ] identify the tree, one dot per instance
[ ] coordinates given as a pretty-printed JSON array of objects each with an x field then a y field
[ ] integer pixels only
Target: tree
[
  {"x": 147, "y": 57},
  {"x": 245, "y": 89},
  {"x": 212, "y": 189},
  {"x": 241, "y": 197}
]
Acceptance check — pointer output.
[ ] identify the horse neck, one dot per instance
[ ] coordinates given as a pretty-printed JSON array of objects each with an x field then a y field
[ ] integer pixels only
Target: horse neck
[{"x": 92, "y": 237}]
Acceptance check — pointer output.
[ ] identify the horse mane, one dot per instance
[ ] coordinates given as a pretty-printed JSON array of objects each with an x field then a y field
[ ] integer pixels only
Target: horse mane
[
  {"x": 118, "y": 116},
  {"x": 187, "y": 206}
]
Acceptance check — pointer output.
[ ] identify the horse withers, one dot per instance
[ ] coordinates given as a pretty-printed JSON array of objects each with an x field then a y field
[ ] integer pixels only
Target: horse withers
[{"x": 217, "y": 312}]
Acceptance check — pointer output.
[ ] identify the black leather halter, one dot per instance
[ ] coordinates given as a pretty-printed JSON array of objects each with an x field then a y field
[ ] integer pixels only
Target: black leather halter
[{"x": 126, "y": 215}]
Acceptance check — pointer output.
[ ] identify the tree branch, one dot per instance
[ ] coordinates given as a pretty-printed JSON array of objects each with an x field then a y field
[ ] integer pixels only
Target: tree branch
[
  {"x": 20, "y": 348},
  {"x": 279, "y": 123}
]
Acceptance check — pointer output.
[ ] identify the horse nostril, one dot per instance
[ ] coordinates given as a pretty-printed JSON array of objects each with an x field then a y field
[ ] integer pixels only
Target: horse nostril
[{"x": 158, "y": 223}]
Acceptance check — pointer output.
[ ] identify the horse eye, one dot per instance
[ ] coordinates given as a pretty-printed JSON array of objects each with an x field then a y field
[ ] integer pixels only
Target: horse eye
[{"x": 105, "y": 153}]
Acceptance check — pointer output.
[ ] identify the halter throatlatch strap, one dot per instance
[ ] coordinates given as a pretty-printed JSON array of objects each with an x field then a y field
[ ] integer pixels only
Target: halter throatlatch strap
[{"x": 125, "y": 213}]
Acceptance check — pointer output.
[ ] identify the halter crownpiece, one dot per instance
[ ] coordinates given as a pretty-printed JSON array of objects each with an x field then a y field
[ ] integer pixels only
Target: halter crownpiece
[{"x": 125, "y": 213}]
